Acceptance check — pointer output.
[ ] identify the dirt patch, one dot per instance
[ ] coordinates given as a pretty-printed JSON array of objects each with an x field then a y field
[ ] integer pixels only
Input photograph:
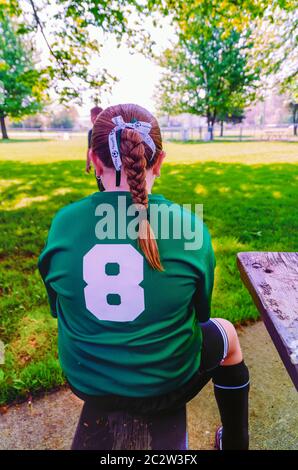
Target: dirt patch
[{"x": 50, "y": 422}]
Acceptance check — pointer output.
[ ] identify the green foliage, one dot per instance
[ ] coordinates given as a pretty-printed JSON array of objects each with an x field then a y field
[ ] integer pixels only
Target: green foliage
[
  {"x": 276, "y": 47},
  {"x": 207, "y": 73},
  {"x": 249, "y": 192},
  {"x": 74, "y": 23},
  {"x": 235, "y": 113},
  {"x": 23, "y": 86},
  {"x": 228, "y": 14},
  {"x": 73, "y": 32},
  {"x": 274, "y": 26}
]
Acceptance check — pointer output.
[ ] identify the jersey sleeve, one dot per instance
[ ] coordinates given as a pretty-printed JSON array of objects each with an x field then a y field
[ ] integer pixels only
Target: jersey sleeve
[
  {"x": 203, "y": 294},
  {"x": 45, "y": 262}
]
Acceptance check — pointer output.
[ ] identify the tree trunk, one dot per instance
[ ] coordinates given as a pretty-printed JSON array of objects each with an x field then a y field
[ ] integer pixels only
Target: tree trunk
[
  {"x": 210, "y": 130},
  {"x": 3, "y": 128},
  {"x": 221, "y": 128},
  {"x": 295, "y": 118}
]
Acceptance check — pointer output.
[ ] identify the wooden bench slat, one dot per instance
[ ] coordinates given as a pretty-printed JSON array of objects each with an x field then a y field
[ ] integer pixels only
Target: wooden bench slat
[
  {"x": 119, "y": 430},
  {"x": 272, "y": 280}
]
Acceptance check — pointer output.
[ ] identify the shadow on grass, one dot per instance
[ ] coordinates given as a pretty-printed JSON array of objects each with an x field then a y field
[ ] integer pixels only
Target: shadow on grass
[
  {"x": 238, "y": 199},
  {"x": 245, "y": 207}
]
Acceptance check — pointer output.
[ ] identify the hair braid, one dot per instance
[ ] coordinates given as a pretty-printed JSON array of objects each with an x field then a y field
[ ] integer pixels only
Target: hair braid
[
  {"x": 136, "y": 159},
  {"x": 135, "y": 163}
]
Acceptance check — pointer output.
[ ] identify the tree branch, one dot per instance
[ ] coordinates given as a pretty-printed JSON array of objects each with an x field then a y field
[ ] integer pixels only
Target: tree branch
[{"x": 58, "y": 60}]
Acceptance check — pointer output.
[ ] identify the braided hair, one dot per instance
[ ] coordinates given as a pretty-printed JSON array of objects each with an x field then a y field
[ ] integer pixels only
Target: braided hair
[{"x": 136, "y": 159}]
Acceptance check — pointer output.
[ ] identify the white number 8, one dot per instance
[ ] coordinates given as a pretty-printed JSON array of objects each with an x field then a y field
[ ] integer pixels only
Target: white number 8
[{"x": 125, "y": 283}]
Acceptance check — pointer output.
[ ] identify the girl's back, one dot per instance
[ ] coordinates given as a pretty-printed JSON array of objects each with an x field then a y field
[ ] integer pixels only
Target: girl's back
[{"x": 125, "y": 328}]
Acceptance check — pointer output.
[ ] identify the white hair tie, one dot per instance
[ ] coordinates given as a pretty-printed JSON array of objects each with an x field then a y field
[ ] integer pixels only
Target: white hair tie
[{"x": 143, "y": 128}]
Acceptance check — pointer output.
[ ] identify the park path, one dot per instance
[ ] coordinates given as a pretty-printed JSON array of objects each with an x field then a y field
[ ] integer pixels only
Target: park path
[{"x": 49, "y": 423}]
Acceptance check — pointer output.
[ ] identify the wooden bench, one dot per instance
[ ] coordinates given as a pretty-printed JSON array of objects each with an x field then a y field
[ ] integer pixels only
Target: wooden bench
[
  {"x": 123, "y": 431},
  {"x": 272, "y": 280}
]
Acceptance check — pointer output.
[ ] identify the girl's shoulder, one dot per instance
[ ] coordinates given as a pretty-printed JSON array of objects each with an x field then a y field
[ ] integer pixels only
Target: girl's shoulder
[{"x": 72, "y": 210}]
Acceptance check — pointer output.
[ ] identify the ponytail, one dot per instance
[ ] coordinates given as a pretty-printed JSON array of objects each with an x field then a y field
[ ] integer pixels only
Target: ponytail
[
  {"x": 135, "y": 163},
  {"x": 136, "y": 157}
]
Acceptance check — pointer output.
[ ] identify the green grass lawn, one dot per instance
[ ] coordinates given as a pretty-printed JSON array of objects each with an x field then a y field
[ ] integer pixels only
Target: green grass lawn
[{"x": 249, "y": 192}]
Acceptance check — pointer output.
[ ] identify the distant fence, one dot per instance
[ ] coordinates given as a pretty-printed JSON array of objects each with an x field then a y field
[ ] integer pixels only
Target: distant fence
[
  {"x": 235, "y": 133},
  {"x": 194, "y": 133},
  {"x": 60, "y": 134}
]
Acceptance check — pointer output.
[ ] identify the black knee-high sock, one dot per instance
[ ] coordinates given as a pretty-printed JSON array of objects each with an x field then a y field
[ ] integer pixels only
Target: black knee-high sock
[{"x": 231, "y": 387}]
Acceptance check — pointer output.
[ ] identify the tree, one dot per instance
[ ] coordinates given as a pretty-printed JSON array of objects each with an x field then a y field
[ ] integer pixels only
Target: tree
[
  {"x": 294, "y": 108},
  {"x": 292, "y": 101},
  {"x": 68, "y": 29},
  {"x": 229, "y": 14},
  {"x": 207, "y": 73},
  {"x": 276, "y": 47},
  {"x": 65, "y": 118},
  {"x": 22, "y": 86},
  {"x": 273, "y": 24},
  {"x": 235, "y": 116},
  {"x": 234, "y": 112},
  {"x": 73, "y": 32},
  {"x": 35, "y": 121}
]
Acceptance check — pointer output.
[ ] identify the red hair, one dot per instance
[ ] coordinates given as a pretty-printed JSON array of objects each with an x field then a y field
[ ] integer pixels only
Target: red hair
[
  {"x": 95, "y": 111},
  {"x": 136, "y": 158}
]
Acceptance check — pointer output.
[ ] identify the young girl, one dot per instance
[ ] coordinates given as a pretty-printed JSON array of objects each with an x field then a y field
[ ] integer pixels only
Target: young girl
[{"x": 134, "y": 314}]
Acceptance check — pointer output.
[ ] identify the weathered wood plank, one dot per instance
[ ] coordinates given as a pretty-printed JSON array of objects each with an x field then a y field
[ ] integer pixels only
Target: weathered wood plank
[
  {"x": 272, "y": 280},
  {"x": 99, "y": 430}
]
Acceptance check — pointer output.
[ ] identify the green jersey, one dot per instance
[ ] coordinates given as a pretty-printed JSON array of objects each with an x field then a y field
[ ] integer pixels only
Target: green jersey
[{"x": 123, "y": 327}]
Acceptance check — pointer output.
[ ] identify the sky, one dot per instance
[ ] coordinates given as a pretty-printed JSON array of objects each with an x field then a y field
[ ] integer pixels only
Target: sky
[{"x": 137, "y": 75}]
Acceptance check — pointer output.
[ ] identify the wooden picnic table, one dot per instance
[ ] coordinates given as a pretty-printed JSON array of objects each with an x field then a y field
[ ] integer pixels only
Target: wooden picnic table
[{"x": 272, "y": 280}]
